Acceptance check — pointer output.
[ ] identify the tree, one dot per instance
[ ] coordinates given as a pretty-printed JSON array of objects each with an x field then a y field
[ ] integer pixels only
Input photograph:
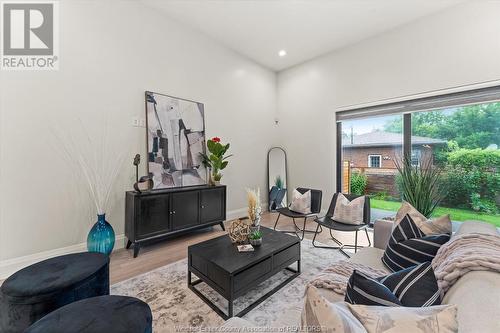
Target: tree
[
  {"x": 422, "y": 124},
  {"x": 474, "y": 126}
]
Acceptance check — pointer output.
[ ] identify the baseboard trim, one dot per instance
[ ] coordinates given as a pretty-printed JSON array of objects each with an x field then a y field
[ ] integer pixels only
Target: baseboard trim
[{"x": 10, "y": 266}]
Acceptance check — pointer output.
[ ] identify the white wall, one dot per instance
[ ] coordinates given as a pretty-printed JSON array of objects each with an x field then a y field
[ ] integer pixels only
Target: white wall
[
  {"x": 457, "y": 47},
  {"x": 111, "y": 52}
]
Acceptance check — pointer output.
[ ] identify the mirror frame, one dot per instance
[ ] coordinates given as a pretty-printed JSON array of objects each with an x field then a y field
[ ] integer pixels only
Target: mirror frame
[{"x": 286, "y": 173}]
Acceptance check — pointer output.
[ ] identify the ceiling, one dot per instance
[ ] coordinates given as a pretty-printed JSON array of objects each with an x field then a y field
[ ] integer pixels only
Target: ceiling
[{"x": 305, "y": 29}]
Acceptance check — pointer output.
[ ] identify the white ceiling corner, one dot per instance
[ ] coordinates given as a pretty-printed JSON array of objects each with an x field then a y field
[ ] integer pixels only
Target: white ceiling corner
[{"x": 305, "y": 29}]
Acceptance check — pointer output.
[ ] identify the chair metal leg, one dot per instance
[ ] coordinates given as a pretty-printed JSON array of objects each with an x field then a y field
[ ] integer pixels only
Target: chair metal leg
[
  {"x": 340, "y": 247},
  {"x": 304, "y": 228},
  {"x": 286, "y": 231},
  {"x": 276, "y": 223},
  {"x": 355, "y": 246},
  {"x": 297, "y": 228},
  {"x": 356, "y": 242},
  {"x": 368, "y": 237}
]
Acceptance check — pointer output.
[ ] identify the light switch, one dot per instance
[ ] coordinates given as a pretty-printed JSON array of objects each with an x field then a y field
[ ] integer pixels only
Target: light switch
[{"x": 136, "y": 122}]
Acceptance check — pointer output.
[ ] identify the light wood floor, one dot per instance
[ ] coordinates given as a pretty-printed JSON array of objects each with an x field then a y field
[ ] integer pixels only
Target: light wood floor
[{"x": 124, "y": 265}]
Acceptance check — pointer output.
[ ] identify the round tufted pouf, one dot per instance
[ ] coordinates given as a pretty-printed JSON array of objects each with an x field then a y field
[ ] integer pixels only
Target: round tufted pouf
[
  {"x": 103, "y": 314},
  {"x": 41, "y": 288}
]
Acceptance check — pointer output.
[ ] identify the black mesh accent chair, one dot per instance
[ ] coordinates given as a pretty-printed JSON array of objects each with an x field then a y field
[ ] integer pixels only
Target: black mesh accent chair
[
  {"x": 316, "y": 196},
  {"x": 331, "y": 224}
]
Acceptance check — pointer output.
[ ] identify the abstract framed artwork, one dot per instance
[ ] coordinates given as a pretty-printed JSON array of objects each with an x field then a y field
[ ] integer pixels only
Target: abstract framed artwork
[{"x": 175, "y": 138}]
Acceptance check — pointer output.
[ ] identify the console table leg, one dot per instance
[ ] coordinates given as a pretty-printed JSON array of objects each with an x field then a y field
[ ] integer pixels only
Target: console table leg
[
  {"x": 222, "y": 226},
  {"x": 230, "y": 308},
  {"x": 128, "y": 244},
  {"x": 136, "y": 250}
]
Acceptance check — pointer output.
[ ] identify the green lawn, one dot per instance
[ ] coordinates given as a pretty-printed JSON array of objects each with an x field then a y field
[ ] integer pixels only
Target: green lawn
[{"x": 455, "y": 213}]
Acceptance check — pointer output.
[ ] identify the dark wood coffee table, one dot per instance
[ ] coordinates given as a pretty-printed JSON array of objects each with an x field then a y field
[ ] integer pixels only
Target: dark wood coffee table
[{"x": 230, "y": 273}]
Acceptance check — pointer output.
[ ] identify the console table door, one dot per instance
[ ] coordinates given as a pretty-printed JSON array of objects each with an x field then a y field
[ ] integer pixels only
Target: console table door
[
  {"x": 212, "y": 205},
  {"x": 153, "y": 216},
  {"x": 184, "y": 209}
]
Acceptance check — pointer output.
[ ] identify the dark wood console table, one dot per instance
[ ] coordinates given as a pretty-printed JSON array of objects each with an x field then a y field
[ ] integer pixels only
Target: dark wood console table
[{"x": 159, "y": 214}]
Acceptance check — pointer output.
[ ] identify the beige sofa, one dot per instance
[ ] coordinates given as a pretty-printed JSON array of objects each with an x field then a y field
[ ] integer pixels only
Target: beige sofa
[{"x": 477, "y": 294}]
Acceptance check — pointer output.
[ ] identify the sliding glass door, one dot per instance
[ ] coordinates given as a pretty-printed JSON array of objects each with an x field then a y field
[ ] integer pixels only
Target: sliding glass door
[
  {"x": 462, "y": 142},
  {"x": 370, "y": 149}
]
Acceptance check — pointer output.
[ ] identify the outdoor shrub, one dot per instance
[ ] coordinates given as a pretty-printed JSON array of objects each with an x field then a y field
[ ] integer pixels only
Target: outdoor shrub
[
  {"x": 473, "y": 173},
  {"x": 459, "y": 185},
  {"x": 483, "y": 205},
  {"x": 483, "y": 159},
  {"x": 358, "y": 183}
]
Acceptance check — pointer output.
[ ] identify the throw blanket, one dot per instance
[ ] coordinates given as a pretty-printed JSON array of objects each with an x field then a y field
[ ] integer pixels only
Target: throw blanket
[
  {"x": 465, "y": 253},
  {"x": 462, "y": 254},
  {"x": 336, "y": 276}
]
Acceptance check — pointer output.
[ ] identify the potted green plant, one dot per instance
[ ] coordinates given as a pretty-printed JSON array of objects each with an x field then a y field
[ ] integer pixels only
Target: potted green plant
[
  {"x": 278, "y": 182},
  {"x": 215, "y": 161},
  {"x": 420, "y": 185},
  {"x": 255, "y": 238}
]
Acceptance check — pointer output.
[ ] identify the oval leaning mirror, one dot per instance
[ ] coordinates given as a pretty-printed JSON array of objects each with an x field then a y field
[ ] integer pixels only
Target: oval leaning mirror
[{"x": 277, "y": 178}]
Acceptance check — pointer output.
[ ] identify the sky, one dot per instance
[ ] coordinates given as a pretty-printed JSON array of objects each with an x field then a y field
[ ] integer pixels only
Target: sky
[{"x": 362, "y": 126}]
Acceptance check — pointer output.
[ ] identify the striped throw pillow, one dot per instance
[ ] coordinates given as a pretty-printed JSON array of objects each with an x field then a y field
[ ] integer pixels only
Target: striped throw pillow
[
  {"x": 409, "y": 246},
  {"x": 362, "y": 289},
  {"x": 415, "y": 286}
]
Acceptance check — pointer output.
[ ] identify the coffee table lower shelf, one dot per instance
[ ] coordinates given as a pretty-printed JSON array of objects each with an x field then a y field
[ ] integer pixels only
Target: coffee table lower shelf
[{"x": 220, "y": 312}]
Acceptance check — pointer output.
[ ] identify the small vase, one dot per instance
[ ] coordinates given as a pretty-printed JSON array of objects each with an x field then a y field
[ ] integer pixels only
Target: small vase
[
  {"x": 101, "y": 237},
  {"x": 256, "y": 242},
  {"x": 211, "y": 180}
]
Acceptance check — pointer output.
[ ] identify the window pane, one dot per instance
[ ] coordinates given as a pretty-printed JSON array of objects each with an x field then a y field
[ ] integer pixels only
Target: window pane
[
  {"x": 370, "y": 149},
  {"x": 464, "y": 143}
]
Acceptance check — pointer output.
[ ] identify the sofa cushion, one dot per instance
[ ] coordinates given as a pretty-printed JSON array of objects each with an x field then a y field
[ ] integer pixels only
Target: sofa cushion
[
  {"x": 476, "y": 293},
  {"x": 362, "y": 289},
  {"x": 414, "y": 286},
  {"x": 370, "y": 256},
  {"x": 434, "y": 319},
  {"x": 440, "y": 225},
  {"x": 477, "y": 296},
  {"x": 469, "y": 227},
  {"x": 409, "y": 246},
  {"x": 320, "y": 315}
]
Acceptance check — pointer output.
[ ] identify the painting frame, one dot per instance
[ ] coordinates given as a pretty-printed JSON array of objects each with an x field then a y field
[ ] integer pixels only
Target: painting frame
[{"x": 198, "y": 168}]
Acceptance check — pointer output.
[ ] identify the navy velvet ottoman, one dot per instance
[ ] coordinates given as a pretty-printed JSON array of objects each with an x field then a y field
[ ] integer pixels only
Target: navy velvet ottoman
[
  {"x": 41, "y": 288},
  {"x": 103, "y": 314}
]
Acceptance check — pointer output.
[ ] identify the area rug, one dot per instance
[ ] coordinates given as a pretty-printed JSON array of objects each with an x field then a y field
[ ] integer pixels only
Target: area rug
[{"x": 176, "y": 308}]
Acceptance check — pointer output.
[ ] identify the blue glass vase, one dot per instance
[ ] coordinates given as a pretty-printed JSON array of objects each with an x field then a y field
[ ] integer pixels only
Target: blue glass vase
[{"x": 101, "y": 237}]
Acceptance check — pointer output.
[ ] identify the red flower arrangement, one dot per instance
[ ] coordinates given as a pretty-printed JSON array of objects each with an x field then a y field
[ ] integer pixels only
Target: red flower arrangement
[{"x": 216, "y": 161}]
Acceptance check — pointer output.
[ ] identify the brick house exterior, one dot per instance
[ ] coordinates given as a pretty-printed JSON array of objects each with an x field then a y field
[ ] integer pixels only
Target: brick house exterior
[{"x": 375, "y": 153}]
